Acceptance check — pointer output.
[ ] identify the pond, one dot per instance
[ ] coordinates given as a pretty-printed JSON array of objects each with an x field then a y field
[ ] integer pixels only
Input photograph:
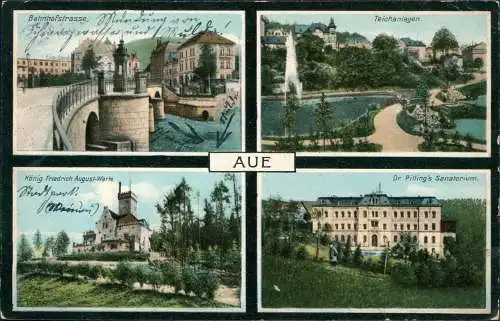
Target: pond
[
  {"x": 474, "y": 127},
  {"x": 343, "y": 110},
  {"x": 179, "y": 134}
]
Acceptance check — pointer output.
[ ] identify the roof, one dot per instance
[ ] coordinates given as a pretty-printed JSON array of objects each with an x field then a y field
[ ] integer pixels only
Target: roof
[
  {"x": 412, "y": 43},
  {"x": 206, "y": 37},
  {"x": 377, "y": 199},
  {"x": 273, "y": 40}
]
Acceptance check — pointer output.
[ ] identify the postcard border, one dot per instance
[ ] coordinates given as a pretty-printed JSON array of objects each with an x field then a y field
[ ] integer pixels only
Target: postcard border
[
  {"x": 243, "y": 40},
  {"x": 488, "y": 255},
  {"x": 13, "y": 278},
  {"x": 489, "y": 100}
]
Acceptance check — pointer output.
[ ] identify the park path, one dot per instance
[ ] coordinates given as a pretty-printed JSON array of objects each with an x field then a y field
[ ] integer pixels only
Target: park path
[
  {"x": 434, "y": 101},
  {"x": 33, "y": 119},
  {"x": 390, "y": 135}
]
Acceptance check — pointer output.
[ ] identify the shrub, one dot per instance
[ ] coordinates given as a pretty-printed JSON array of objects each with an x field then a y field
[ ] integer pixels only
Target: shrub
[
  {"x": 357, "y": 256},
  {"x": 155, "y": 278},
  {"x": 171, "y": 276},
  {"x": 286, "y": 249},
  {"x": 190, "y": 280},
  {"x": 96, "y": 271},
  {"x": 209, "y": 283},
  {"x": 125, "y": 274},
  {"x": 140, "y": 274},
  {"x": 437, "y": 274},
  {"x": 404, "y": 274},
  {"x": 83, "y": 269},
  {"x": 301, "y": 253},
  {"x": 423, "y": 274},
  {"x": 110, "y": 274}
]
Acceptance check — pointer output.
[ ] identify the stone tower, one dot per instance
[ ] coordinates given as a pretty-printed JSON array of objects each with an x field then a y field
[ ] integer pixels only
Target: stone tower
[
  {"x": 127, "y": 202},
  {"x": 331, "y": 35}
]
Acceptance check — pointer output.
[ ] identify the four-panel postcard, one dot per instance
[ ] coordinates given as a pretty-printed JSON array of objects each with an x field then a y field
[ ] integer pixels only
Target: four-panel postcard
[{"x": 250, "y": 161}]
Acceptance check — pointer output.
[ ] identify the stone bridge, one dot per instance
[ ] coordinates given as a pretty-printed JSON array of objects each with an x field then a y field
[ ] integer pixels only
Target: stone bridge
[{"x": 92, "y": 116}]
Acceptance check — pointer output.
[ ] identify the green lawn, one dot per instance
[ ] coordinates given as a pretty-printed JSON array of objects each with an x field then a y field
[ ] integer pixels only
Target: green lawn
[
  {"x": 42, "y": 291},
  {"x": 308, "y": 284}
]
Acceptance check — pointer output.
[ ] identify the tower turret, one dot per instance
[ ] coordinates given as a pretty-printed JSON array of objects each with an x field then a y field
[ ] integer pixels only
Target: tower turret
[{"x": 127, "y": 202}]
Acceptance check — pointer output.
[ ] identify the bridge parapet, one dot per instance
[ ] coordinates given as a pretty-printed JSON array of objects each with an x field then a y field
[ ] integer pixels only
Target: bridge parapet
[{"x": 69, "y": 99}]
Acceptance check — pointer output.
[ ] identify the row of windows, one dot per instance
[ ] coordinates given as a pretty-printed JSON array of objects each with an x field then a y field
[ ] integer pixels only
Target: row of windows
[
  {"x": 344, "y": 238},
  {"x": 46, "y": 63},
  {"x": 35, "y": 69},
  {"x": 375, "y": 213},
  {"x": 375, "y": 224}
]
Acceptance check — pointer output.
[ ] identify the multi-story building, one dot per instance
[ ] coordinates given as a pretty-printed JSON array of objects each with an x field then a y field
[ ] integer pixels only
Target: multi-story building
[
  {"x": 188, "y": 55},
  {"x": 474, "y": 52},
  {"x": 122, "y": 231},
  {"x": 37, "y": 65},
  {"x": 160, "y": 56},
  {"x": 103, "y": 49},
  {"x": 375, "y": 221},
  {"x": 326, "y": 32}
]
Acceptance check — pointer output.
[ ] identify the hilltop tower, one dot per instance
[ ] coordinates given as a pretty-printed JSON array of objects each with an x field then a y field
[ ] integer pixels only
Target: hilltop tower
[
  {"x": 331, "y": 35},
  {"x": 127, "y": 202}
]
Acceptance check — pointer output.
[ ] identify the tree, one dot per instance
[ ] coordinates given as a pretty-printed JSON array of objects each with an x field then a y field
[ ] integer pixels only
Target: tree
[
  {"x": 220, "y": 197},
  {"x": 444, "y": 41},
  {"x": 90, "y": 61},
  {"x": 37, "y": 241},
  {"x": 383, "y": 42},
  {"x": 61, "y": 244},
  {"x": 289, "y": 117},
  {"x": 235, "y": 218},
  {"x": 207, "y": 64},
  {"x": 24, "y": 250},
  {"x": 323, "y": 118},
  {"x": 48, "y": 246},
  {"x": 406, "y": 248}
]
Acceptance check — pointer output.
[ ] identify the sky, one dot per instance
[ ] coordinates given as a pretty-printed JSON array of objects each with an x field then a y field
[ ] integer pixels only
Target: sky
[
  {"x": 470, "y": 27},
  {"x": 308, "y": 186},
  {"x": 148, "y": 185},
  {"x": 46, "y": 38}
]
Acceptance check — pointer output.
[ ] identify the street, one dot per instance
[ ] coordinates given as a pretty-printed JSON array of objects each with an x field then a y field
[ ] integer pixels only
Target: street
[{"x": 33, "y": 119}]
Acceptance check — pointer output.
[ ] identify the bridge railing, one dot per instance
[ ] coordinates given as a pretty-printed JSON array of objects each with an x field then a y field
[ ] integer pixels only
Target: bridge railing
[{"x": 66, "y": 99}]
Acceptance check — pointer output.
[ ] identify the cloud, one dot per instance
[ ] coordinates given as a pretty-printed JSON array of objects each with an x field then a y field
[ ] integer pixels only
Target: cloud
[
  {"x": 420, "y": 190},
  {"x": 104, "y": 193}
]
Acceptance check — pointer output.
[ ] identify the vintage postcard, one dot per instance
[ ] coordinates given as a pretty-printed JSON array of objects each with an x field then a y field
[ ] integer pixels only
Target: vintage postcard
[
  {"x": 128, "y": 81},
  {"x": 375, "y": 241},
  {"x": 112, "y": 239},
  {"x": 410, "y": 83}
]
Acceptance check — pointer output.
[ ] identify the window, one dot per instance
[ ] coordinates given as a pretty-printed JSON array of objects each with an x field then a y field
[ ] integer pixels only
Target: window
[
  {"x": 415, "y": 227},
  {"x": 342, "y": 226},
  {"x": 385, "y": 213},
  {"x": 355, "y": 214},
  {"x": 113, "y": 246},
  {"x": 319, "y": 226},
  {"x": 408, "y": 227},
  {"x": 355, "y": 226},
  {"x": 326, "y": 213},
  {"x": 425, "y": 239},
  {"x": 364, "y": 213},
  {"x": 349, "y": 214},
  {"x": 395, "y": 238},
  {"x": 415, "y": 214},
  {"x": 355, "y": 239},
  {"x": 402, "y": 227},
  {"x": 364, "y": 238},
  {"x": 395, "y": 214},
  {"x": 408, "y": 214},
  {"x": 384, "y": 226},
  {"x": 395, "y": 227},
  {"x": 222, "y": 64},
  {"x": 342, "y": 238},
  {"x": 336, "y": 226},
  {"x": 336, "y": 214},
  {"x": 426, "y": 227},
  {"x": 402, "y": 214},
  {"x": 374, "y": 223},
  {"x": 433, "y": 226},
  {"x": 348, "y": 226},
  {"x": 364, "y": 226},
  {"x": 426, "y": 214},
  {"x": 433, "y": 250},
  {"x": 342, "y": 214},
  {"x": 433, "y": 239},
  {"x": 433, "y": 214}
]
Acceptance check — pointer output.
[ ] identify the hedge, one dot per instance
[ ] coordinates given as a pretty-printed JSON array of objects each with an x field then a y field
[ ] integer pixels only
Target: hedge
[{"x": 105, "y": 256}]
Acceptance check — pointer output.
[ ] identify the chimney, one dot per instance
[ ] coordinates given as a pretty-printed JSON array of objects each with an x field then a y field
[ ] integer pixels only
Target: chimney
[{"x": 119, "y": 187}]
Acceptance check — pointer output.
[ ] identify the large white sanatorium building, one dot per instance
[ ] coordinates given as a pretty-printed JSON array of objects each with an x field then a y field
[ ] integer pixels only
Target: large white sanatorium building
[
  {"x": 122, "y": 231},
  {"x": 376, "y": 220}
]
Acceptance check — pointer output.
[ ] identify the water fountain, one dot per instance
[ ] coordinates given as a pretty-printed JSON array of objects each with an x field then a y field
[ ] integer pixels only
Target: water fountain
[{"x": 291, "y": 73}]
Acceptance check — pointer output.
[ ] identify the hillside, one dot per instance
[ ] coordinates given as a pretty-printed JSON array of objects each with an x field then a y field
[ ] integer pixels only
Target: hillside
[{"x": 143, "y": 48}]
